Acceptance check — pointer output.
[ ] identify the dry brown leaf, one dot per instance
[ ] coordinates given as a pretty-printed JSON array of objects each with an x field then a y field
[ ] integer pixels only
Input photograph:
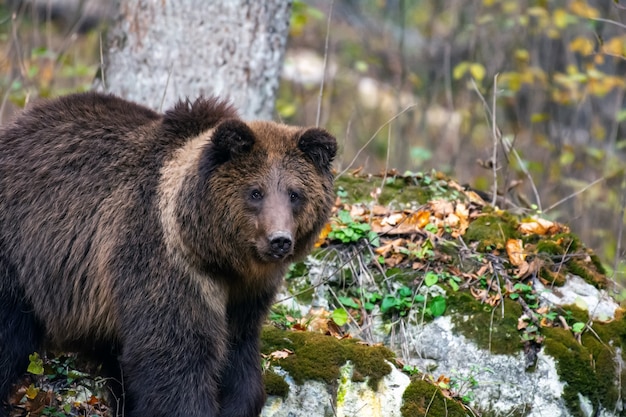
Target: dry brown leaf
[
  {"x": 379, "y": 210},
  {"x": 280, "y": 354},
  {"x": 515, "y": 250},
  {"x": 357, "y": 211},
  {"x": 478, "y": 293},
  {"x": 392, "y": 219},
  {"x": 483, "y": 269},
  {"x": 539, "y": 227},
  {"x": 441, "y": 208},
  {"x": 522, "y": 322}
]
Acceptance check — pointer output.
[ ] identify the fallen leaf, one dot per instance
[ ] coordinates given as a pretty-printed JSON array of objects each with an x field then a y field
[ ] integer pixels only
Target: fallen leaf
[
  {"x": 515, "y": 250},
  {"x": 280, "y": 354}
]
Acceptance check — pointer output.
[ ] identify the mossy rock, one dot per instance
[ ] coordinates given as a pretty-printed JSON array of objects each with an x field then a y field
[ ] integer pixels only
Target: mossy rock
[
  {"x": 484, "y": 325},
  {"x": 588, "y": 368},
  {"x": 492, "y": 230},
  {"x": 319, "y": 357},
  {"x": 275, "y": 384},
  {"x": 421, "y": 399},
  {"x": 409, "y": 189}
]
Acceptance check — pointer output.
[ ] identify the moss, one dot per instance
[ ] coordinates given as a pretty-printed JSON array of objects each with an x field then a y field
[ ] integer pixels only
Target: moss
[
  {"x": 577, "y": 261},
  {"x": 275, "y": 384},
  {"x": 549, "y": 247},
  {"x": 480, "y": 323},
  {"x": 319, "y": 357},
  {"x": 423, "y": 399},
  {"x": 491, "y": 231},
  {"x": 399, "y": 189},
  {"x": 587, "y": 271},
  {"x": 550, "y": 277},
  {"x": 589, "y": 367}
]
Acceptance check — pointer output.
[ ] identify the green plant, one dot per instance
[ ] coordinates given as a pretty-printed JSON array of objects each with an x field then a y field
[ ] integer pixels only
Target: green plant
[
  {"x": 347, "y": 230},
  {"x": 284, "y": 317}
]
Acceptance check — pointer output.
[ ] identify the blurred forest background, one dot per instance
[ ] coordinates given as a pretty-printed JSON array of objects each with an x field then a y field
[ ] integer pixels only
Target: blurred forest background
[{"x": 416, "y": 85}]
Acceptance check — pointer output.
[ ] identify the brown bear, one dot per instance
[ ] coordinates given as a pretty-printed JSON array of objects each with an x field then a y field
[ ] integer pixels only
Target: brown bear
[{"x": 154, "y": 242}]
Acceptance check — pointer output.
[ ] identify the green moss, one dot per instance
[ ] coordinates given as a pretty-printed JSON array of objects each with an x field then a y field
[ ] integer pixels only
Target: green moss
[
  {"x": 491, "y": 231},
  {"x": 589, "y": 367},
  {"x": 275, "y": 384},
  {"x": 481, "y": 324},
  {"x": 549, "y": 247},
  {"x": 417, "y": 189},
  {"x": 423, "y": 399},
  {"x": 550, "y": 277},
  {"x": 577, "y": 260},
  {"x": 319, "y": 357}
]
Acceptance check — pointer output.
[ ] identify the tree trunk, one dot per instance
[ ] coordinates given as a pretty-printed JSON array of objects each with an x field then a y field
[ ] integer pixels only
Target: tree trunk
[{"x": 159, "y": 51}]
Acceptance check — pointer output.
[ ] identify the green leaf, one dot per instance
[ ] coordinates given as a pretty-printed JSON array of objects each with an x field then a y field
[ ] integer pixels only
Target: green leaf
[
  {"x": 344, "y": 216},
  {"x": 578, "y": 327},
  {"x": 374, "y": 240},
  {"x": 431, "y": 278},
  {"x": 405, "y": 292},
  {"x": 35, "y": 366},
  {"x": 389, "y": 302},
  {"x": 438, "y": 306},
  {"x": 340, "y": 316},
  {"x": 419, "y": 298},
  {"x": 348, "y": 302}
]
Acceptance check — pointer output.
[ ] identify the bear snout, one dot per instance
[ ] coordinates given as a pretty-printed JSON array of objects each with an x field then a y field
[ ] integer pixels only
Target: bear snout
[{"x": 280, "y": 244}]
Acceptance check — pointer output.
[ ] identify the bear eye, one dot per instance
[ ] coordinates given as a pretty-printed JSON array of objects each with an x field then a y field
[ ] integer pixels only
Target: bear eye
[
  {"x": 294, "y": 197},
  {"x": 256, "y": 195}
]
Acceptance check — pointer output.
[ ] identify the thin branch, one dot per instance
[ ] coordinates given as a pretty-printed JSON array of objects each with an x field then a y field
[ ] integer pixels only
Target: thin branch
[
  {"x": 495, "y": 134},
  {"x": 561, "y": 201},
  {"x": 522, "y": 166},
  {"x": 620, "y": 231},
  {"x": 321, "y": 93},
  {"x": 167, "y": 83},
  {"x": 613, "y": 22},
  {"x": 407, "y": 108},
  {"x": 104, "y": 84}
]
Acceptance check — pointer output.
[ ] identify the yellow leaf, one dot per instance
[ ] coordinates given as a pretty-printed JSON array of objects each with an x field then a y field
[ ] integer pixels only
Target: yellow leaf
[
  {"x": 582, "y": 9},
  {"x": 323, "y": 235},
  {"x": 478, "y": 71},
  {"x": 31, "y": 392},
  {"x": 460, "y": 70},
  {"x": 560, "y": 18},
  {"x": 614, "y": 46},
  {"x": 582, "y": 45},
  {"x": 515, "y": 250}
]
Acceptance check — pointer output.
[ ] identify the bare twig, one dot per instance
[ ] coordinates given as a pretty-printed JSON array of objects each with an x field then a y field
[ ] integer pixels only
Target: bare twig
[
  {"x": 522, "y": 165},
  {"x": 407, "y": 108},
  {"x": 620, "y": 230},
  {"x": 167, "y": 83},
  {"x": 582, "y": 190},
  {"x": 321, "y": 93},
  {"x": 104, "y": 84},
  {"x": 496, "y": 136},
  {"x": 613, "y": 22}
]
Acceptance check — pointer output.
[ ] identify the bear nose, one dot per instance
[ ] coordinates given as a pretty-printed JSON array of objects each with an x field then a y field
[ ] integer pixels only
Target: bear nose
[{"x": 280, "y": 244}]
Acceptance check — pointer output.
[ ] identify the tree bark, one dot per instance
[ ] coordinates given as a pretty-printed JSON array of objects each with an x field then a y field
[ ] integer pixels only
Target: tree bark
[{"x": 159, "y": 51}]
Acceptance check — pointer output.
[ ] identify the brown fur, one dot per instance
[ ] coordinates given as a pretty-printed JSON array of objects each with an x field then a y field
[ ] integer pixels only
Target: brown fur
[{"x": 156, "y": 242}]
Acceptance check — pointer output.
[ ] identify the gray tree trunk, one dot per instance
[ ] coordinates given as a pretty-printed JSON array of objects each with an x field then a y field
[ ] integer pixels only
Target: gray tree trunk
[{"x": 158, "y": 51}]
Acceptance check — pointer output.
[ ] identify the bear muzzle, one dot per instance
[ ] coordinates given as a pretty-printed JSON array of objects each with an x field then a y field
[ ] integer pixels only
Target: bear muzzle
[{"x": 280, "y": 245}]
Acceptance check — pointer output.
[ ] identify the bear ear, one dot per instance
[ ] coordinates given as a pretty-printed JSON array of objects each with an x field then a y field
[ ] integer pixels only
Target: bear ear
[
  {"x": 231, "y": 138},
  {"x": 319, "y": 146}
]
